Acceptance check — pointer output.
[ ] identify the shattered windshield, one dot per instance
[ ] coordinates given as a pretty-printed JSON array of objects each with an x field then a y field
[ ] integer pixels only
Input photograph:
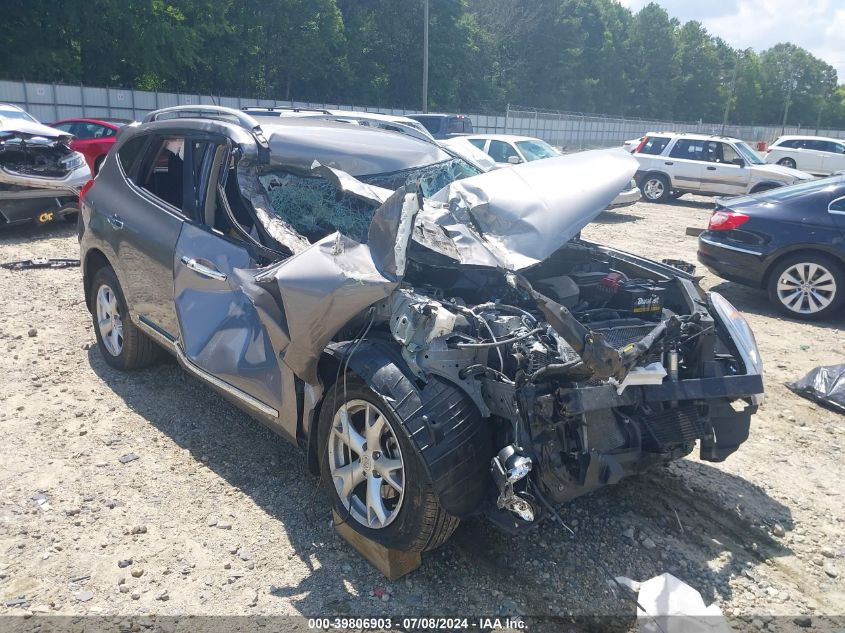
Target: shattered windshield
[{"x": 315, "y": 208}]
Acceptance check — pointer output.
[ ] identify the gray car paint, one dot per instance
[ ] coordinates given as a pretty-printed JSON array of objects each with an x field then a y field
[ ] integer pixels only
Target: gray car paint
[{"x": 250, "y": 334}]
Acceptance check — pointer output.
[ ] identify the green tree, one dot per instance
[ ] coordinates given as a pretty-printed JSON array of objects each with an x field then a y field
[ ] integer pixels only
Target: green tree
[{"x": 651, "y": 63}]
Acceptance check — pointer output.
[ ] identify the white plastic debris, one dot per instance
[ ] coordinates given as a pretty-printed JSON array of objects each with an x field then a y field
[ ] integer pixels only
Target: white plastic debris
[{"x": 669, "y": 605}]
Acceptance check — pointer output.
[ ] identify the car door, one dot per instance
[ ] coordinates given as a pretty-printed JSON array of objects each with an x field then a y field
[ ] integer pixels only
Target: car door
[
  {"x": 684, "y": 164},
  {"x": 142, "y": 217},
  {"x": 223, "y": 332},
  {"x": 725, "y": 171},
  {"x": 834, "y": 159},
  {"x": 812, "y": 156}
]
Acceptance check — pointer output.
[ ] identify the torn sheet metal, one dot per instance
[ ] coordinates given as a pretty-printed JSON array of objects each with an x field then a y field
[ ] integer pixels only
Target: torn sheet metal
[
  {"x": 321, "y": 289},
  {"x": 825, "y": 385},
  {"x": 529, "y": 211},
  {"x": 346, "y": 183}
]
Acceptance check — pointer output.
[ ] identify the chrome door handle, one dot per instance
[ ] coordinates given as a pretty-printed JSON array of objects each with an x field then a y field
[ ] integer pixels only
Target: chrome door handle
[
  {"x": 201, "y": 269},
  {"x": 116, "y": 222}
]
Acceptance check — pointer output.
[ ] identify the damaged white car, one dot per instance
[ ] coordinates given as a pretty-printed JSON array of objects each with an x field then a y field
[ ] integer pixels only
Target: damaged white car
[
  {"x": 40, "y": 176},
  {"x": 437, "y": 339}
]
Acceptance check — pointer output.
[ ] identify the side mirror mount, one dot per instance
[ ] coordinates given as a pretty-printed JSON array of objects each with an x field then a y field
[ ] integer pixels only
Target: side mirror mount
[
  {"x": 514, "y": 160},
  {"x": 739, "y": 162}
]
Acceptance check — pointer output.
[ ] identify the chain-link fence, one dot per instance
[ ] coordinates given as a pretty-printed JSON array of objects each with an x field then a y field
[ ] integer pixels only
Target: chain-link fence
[{"x": 575, "y": 131}]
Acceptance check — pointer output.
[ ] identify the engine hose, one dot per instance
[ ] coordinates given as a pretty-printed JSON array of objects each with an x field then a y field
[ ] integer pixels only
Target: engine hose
[{"x": 506, "y": 341}]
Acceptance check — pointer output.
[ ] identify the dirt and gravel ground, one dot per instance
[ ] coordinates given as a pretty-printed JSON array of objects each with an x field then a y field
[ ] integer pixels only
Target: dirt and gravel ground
[{"x": 218, "y": 516}]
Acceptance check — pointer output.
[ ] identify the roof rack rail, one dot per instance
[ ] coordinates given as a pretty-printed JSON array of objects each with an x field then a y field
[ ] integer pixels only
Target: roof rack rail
[
  {"x": 258, "y": 109},
  {"x": 228, "y": 115}
]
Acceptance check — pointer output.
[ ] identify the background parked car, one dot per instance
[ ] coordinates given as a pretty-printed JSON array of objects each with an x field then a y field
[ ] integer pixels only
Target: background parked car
[
  {"x": 93, "y": 137},
  {"x": 788, "y": 241},
  {"x": 815, "y": 154},
  {"x": 444, "y": 125},
  {"x": 510, "y": 149},
  {"x": 40, "y": 176},
  {"x": 673, "y": 164}
]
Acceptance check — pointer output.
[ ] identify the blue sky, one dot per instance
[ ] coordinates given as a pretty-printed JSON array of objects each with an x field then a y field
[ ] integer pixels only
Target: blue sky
[{"x": 817, "y": 25}]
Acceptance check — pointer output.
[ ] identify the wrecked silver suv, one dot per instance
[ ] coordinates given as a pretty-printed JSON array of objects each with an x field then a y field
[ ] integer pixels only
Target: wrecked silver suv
[
  {"x": 40, "y": 175},
  {"x": 438, "y": 340}
]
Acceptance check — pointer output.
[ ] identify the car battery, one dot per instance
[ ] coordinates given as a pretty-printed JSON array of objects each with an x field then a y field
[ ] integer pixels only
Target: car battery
[{"x": 640, "y": 297}]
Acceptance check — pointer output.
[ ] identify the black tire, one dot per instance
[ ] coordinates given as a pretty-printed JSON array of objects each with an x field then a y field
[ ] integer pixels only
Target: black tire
[
  {"x": 801, "y": 265},
  {"x": 136, "y": 349},
  {"x": 421, "y": 523},
  {"x": 655, "y": 187},
  {"x": 787, "y": 162}
]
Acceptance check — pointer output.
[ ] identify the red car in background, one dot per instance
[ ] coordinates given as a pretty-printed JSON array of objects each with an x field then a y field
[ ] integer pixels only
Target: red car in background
[{"x": 94, "y": 137}]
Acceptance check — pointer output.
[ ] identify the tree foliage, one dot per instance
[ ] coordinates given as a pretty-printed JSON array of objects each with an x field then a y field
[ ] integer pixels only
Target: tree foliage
[{"x": 581, "y": 55}]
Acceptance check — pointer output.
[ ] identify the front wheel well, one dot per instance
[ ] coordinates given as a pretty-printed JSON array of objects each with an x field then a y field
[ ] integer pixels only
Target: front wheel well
[
  {"x": 652, "y": 172},
  {"x": 94, "y": 261}
]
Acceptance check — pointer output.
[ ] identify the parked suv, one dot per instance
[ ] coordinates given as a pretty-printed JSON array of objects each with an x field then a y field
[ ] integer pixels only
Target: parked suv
[
  {"x": 674, "y": 164},
  {"x": 444, "y": 125},
  {"x": 437, "y": 339},
  {"x": 815, "y": 154}
]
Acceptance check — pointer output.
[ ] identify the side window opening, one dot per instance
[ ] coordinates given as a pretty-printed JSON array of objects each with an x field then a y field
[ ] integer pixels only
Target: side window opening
[
  {"x": 689, "y": 149},
  {"x": 129, "y": 152},
  {"x": 838, "y": 205},
  {"x": 654, "y": 145},
  {"x": 500, "y": 151},
  {"x": 162, "y": 173}
]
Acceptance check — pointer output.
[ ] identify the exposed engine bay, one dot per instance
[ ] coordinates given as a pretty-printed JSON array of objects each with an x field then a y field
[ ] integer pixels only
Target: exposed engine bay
[
  {"x": 39, "y": 177},
  {"x": 584, "y": 364},
  {"x": 553, "y": 356}
]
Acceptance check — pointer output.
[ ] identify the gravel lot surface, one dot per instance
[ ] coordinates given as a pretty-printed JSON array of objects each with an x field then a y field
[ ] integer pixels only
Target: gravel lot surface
[{"x": 219, "y": 516}]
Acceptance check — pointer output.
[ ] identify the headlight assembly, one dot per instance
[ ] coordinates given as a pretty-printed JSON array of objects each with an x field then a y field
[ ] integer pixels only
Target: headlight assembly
[
  {"x": 740, "y": 332},
  {"x": 74, "y": 161}
]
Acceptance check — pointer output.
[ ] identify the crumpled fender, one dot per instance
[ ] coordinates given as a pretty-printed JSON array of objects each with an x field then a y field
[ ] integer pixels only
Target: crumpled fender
[{"x": 438, "y": 418}]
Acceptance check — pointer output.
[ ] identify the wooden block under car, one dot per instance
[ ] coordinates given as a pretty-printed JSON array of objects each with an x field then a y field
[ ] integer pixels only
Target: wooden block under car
[{"x": 390, "y": 562}]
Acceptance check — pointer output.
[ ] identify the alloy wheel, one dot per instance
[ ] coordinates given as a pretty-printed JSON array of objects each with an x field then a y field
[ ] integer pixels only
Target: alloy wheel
[
  {"x": 653, "y": 188},
  {"x": 365, "y": 463},
  {"x": 109, "y": 321},
  {"x": 806, "y": 288}
]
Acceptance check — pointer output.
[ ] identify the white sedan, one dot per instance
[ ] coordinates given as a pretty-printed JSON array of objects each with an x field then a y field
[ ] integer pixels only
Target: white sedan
[{"x": 510, "y": 149}]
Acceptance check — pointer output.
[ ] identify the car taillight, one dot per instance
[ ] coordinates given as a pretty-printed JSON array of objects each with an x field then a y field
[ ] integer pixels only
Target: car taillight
[
  {"x": 726, "y": 220},
  {"x": 643, "y": 141},
  {"x": 84, "y": 190}
]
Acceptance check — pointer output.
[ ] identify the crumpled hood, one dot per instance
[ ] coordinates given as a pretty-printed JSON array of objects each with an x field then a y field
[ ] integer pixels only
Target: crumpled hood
[
  {"x": 526, "y": 213},
  {"x": 27, "y": 129},
  {"x": 786, "y": 174}
]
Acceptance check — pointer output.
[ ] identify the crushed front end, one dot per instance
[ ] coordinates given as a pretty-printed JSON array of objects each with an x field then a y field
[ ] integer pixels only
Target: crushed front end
[
  {"x": 40, "y": 176},
  {"x": 589, "y": 367}
]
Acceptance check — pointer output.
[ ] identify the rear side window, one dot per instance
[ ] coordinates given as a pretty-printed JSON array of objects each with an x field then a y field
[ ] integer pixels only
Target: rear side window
[
  {"x": 459, "y": 125},
  {"x": 654, "y": 145},
  {"x": 478, "y": 142},
  {"x": 690, "y": 149},
  {"x": 128, "y": 153},
  {"x": 838, "y": 205},
  {"x": 163, "y": 172},
  {"x": 792, "y": 143}
]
